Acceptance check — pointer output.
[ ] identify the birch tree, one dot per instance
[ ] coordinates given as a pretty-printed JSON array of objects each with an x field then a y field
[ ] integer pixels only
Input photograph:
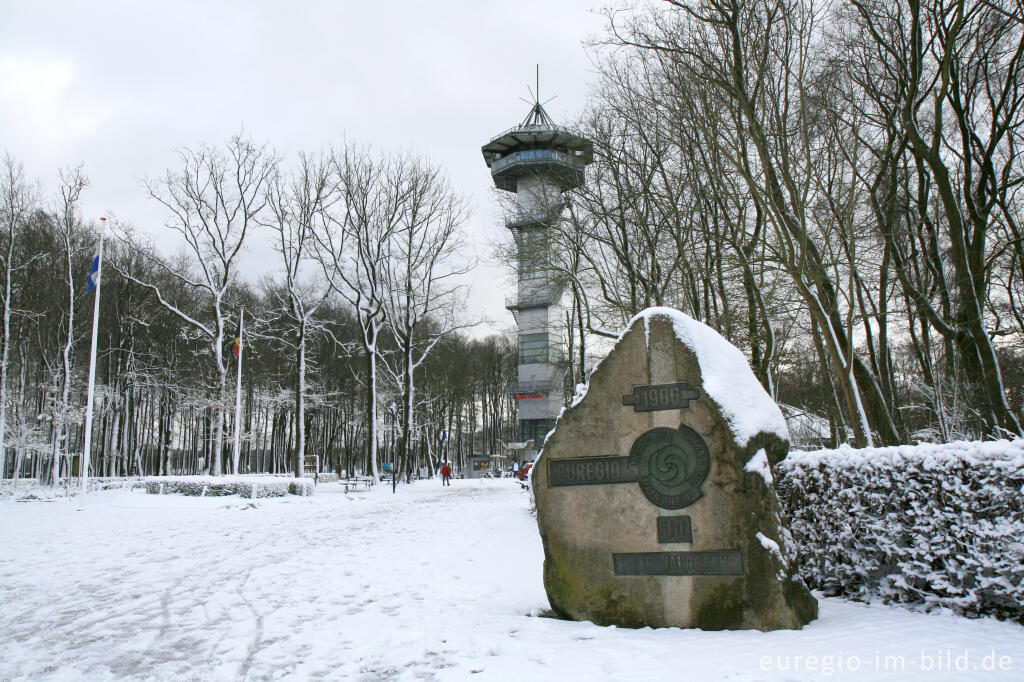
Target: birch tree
[{"x": 211, "y": 203}]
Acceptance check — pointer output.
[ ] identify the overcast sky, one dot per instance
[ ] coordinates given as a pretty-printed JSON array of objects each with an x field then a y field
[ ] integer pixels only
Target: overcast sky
[{"x": 119, "y": 85}]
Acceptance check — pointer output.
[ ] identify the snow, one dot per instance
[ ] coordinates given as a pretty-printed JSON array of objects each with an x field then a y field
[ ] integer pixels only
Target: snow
[
  {"x": 772, "y": 547},
  {"x": 1001, "y": 454},
  {"x": 431, "y": 583},
  {"x": 579, "y": 395},
  {"x": 728, "y": 379},
  {"x": 758, "y": 464}
]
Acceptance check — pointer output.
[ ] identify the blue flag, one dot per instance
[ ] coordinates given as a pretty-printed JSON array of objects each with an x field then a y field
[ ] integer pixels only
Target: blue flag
[{"x": 93, "y": 272}]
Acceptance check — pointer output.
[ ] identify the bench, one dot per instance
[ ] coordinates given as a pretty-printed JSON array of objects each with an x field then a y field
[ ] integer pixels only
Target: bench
[{"x": 357, "y": 483}]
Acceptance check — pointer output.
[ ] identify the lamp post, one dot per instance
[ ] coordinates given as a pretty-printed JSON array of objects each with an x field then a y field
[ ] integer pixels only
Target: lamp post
[{"x": 394, "y": 451}]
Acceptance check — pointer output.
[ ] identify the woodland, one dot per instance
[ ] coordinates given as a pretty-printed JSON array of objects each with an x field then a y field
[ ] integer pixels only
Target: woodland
[{"x": 833, "y": 187}]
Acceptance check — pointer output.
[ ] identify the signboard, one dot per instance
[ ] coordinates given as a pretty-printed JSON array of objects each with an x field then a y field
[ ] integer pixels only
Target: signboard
[
  {"x": 661, "y": 397},
  {"x": 590, "y": 471},
  {"x": 674, "y": 529},
  {"x": 479, "y": 466},
  {"x": 679, "y": 563}
]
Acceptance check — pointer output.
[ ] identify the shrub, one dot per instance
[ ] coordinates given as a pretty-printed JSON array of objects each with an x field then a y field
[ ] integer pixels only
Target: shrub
[
  {"x": 102, "y": 483},
  {"x": 217, "y": 486},
  {"x": 927, "y": 525}
]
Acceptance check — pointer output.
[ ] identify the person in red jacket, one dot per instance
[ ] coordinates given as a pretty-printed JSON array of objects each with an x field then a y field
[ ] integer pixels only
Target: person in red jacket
[
  {"x": 524, "y": 471},
  {"x": 446, "y": 474}
]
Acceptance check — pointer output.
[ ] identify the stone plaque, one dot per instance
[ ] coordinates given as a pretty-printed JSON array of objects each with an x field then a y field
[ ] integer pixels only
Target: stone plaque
[
  {"x": 661, "y": 397},
  {"x": 590, "y": 471},
  {"x": 674, "y": 529},
  {"x": 679, "y": 563},
  {"x": 670, "y": 464}
]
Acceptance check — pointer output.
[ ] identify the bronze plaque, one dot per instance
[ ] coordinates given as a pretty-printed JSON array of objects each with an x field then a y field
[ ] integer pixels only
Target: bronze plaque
[
  {"x": 670, "y": 465},
  {"x": 661, "y": 397},
  {"x": 590, "y": 471},
  {"x": 679, "y": 563},
  {"x": 674, "y": 529}
]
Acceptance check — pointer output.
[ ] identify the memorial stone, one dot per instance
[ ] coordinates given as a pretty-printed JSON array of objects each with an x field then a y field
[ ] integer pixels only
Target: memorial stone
[{"x": 654, "y": 492}]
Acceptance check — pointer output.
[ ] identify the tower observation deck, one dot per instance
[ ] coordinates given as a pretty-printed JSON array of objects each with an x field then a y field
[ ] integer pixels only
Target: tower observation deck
[{"x": 538, "y": 161}]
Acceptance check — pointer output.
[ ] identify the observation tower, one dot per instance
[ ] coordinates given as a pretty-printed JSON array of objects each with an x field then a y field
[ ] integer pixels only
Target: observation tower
[{"x": 538, "y": 161}]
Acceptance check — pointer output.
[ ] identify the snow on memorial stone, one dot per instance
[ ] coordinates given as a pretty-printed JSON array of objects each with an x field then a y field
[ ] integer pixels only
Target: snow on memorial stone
[{"x": 654, "y": 492}]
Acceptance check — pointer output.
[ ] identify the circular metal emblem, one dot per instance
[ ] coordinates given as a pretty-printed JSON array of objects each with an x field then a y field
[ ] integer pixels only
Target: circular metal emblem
[{"x": 670, "y": 465}]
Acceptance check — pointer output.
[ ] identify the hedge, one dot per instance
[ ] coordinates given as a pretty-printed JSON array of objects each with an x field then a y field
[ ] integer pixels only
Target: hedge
[
  {"x": 102, "y": 483},
  {"x": 218, "y": 486},
  {"x": 926, "y": 525}
]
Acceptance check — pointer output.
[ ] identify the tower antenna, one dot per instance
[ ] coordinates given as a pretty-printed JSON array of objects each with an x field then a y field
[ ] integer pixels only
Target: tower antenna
[{"x": 537, "y": 115}]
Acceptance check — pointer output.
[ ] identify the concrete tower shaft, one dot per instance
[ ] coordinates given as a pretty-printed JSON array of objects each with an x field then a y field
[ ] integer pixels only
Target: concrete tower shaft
[{"x": 539, "y": 161}]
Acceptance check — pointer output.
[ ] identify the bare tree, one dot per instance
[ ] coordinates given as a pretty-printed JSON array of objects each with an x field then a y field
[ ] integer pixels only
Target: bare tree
[
  {"x": 422, "y": 270},
  {"x": 17, "y": 200},
  {"x": 67, "y": 222},
  {"x": 211, "y": 203},
  {"x": 758, "y": 58},
  {"x": 954, "y": 94},
  {"x": 298, "y": 206},
  {"x": 352, "y": 252}
]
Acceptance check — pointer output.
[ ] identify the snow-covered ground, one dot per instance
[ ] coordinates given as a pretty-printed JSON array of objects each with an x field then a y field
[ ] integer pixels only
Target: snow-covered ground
[{"x": 431, "y": 583}]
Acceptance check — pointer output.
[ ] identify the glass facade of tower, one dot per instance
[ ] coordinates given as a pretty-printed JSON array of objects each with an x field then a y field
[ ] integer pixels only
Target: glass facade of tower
[
  {"x": 535, "y": 430},
  {"x": 533, "y": 348}
]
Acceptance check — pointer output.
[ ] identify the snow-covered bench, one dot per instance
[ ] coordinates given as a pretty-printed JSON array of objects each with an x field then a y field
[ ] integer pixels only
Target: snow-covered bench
[{"x": 357, "y": 483}]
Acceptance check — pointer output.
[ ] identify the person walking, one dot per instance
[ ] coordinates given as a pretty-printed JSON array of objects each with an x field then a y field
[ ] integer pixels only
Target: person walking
[{"x": 446, "y": 474}]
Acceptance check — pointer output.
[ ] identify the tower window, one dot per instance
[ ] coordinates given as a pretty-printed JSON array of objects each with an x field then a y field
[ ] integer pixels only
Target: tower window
[{"x": 533, "y": 348}]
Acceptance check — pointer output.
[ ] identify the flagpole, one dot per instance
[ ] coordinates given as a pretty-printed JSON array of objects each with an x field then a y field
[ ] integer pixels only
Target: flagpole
[
  {"x": 87, "y": 449},
  {"x": 238, "y": 391}
]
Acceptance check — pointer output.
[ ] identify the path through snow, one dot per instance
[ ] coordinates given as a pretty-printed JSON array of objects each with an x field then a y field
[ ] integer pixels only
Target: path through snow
[{"x": 431, "y": 583}]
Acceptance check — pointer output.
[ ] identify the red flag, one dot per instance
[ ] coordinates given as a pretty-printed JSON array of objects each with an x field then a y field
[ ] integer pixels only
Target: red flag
[{"x": 238, "y": 338}]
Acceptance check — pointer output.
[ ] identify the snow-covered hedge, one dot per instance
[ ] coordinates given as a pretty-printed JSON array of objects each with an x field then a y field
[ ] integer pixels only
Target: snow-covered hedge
[
  {"x": 74, "y": 483},
  {"x": 217, "y": 486},
  {"x": 930, "y": 525},
  {"x": 103, "y": 482}
]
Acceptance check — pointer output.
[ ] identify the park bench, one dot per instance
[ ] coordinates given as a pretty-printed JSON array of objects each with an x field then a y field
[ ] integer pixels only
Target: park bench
[{"x": 357, "y": 483}]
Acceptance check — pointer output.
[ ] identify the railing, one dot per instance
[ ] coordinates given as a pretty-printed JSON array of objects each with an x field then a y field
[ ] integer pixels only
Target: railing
[
  {"x": 546, "y": 219},
  {"x": 534, "y": 129},
  {"x": 537, "y": 156},
  {"x": 544, "y": 300}
]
